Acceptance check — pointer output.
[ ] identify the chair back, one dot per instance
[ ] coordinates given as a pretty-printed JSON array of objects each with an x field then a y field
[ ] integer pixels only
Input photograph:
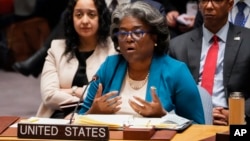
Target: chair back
[{"x": 207, "y": 104}]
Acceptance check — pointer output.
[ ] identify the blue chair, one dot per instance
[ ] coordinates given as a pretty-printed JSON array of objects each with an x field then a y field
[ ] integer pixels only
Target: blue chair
[{"x": 207, "y": 105}]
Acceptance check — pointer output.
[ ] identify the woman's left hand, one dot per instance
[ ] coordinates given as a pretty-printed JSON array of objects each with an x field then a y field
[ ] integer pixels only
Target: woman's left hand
[{"x": 148, "y": 109}]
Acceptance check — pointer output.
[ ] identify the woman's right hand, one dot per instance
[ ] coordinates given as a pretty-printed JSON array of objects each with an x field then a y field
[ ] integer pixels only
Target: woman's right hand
[{"x": 105, "y": 104}]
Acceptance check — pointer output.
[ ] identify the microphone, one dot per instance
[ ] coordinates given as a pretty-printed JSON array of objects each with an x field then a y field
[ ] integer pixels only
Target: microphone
[
  {"x": 64, "y": 131},
  {"x": 94, "y": 78}
]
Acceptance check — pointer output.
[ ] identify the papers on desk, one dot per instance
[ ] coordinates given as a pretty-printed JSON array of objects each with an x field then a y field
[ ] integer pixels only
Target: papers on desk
[
  {"x": 116, "y": 122},
  {"x": 170, "y": 121},
  {"x": 37, "y": 120}
]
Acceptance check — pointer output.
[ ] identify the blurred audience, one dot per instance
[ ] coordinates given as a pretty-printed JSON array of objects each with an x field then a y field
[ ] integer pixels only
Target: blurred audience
[
  {"x": 180, "y": 15},
  {"x": 34, "y": 64},
  {"x": 23, "y": 10}
]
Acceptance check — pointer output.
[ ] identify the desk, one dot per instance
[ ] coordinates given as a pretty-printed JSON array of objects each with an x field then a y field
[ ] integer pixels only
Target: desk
[
  {"x": 198, "y": 132},
  {"x": 193, "y": 133}
]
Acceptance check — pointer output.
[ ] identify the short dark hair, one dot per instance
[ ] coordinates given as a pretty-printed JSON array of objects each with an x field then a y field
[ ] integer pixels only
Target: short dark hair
[{"x": 147, "y": 14}]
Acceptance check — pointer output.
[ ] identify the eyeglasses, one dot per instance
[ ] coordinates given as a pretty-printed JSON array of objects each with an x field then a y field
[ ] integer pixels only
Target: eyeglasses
[
  {"x": 136, "y": 34},
  {"x": 205, "y": 2}
]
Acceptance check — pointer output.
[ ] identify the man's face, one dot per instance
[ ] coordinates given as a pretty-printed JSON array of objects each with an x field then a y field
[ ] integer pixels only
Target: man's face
[{"x": 215, "y": 13}]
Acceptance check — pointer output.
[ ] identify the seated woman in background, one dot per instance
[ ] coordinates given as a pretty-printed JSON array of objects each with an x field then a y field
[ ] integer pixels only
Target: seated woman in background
[
  {"x": 72, "y": 62},
  {"x": 142, "y": 80}
]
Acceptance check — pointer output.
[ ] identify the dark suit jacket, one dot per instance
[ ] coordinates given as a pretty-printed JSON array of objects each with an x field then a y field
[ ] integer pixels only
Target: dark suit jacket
[{"x": 236, "y": 71}]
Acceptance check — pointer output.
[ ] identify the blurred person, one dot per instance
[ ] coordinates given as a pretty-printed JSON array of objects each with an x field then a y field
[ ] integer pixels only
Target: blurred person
[
  {"x": 231, "y": 71},
  {"x": 142, "y": 80},
  {"x": 239, "y": 15},
  {"x": 34, "y": 64},
  {"x": 11, "y": 11},
  {"x": 180, "y": 15},
  {"x": 71, "y": 63},
  {"x": 244, "y": 5}
]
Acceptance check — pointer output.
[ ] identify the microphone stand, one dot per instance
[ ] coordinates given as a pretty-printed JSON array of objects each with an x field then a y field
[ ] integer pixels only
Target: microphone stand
[{"x": 78, "y": 103}]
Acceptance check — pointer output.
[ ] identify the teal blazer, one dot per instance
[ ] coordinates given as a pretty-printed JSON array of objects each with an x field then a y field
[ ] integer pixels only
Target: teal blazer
[{"x": 174, "y": 85}]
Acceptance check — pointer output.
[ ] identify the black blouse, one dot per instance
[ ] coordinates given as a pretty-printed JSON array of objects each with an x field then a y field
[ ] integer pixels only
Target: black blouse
[{"x": 80, "y": 78}]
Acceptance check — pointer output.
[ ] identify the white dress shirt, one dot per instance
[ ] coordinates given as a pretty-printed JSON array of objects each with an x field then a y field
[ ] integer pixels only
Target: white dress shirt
[{"x": 218, "y": 96}]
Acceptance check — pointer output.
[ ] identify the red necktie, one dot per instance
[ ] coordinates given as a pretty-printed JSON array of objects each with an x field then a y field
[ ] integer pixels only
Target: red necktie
[{"x": 207, "y": 80}]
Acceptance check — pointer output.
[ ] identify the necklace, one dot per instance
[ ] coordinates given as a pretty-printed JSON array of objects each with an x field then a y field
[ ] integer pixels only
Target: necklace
[{"x": 136, "y": 85}]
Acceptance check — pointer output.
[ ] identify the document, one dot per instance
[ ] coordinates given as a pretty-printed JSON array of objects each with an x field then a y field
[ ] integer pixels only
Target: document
[
  {"x": 170, "y": 121},
  {"x": 38, "y": 120},
  {"x": 112, "y": 121}
]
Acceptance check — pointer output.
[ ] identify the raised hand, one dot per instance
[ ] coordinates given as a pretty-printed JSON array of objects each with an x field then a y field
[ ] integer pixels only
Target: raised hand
[
  {"x": 105, "y": 104},
  {"x": 148, "y": 109}
]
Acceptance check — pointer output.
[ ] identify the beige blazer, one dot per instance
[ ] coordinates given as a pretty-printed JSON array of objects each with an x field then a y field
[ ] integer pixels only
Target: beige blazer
[{"x": 58, "y": 74}]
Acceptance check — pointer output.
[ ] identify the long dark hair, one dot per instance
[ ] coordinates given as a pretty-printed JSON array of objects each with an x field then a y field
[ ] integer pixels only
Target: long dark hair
[{"x": 72, "y": 38}]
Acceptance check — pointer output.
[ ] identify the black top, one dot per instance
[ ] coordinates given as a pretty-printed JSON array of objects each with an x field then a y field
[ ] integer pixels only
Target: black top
[{"x": 80, "y": 78}]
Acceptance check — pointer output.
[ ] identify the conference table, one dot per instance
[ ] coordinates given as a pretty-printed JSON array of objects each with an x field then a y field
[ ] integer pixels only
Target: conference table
[{"x": 193, "y": 133}]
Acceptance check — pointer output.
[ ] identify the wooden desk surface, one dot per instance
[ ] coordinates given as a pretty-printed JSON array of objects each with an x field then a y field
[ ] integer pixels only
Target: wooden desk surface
[
  {"x": 198, "y": 132},
  {"x": 193, "y": 133}
]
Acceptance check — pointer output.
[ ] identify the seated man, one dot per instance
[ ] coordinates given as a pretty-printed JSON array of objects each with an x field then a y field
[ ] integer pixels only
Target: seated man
[{"x": 232, "y": 66}]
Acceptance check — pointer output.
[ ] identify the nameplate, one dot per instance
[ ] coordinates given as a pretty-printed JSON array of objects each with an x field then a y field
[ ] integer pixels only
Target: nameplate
[
  {"x": 65, "y": 132},
  {"x": 138, "y": 133}
]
